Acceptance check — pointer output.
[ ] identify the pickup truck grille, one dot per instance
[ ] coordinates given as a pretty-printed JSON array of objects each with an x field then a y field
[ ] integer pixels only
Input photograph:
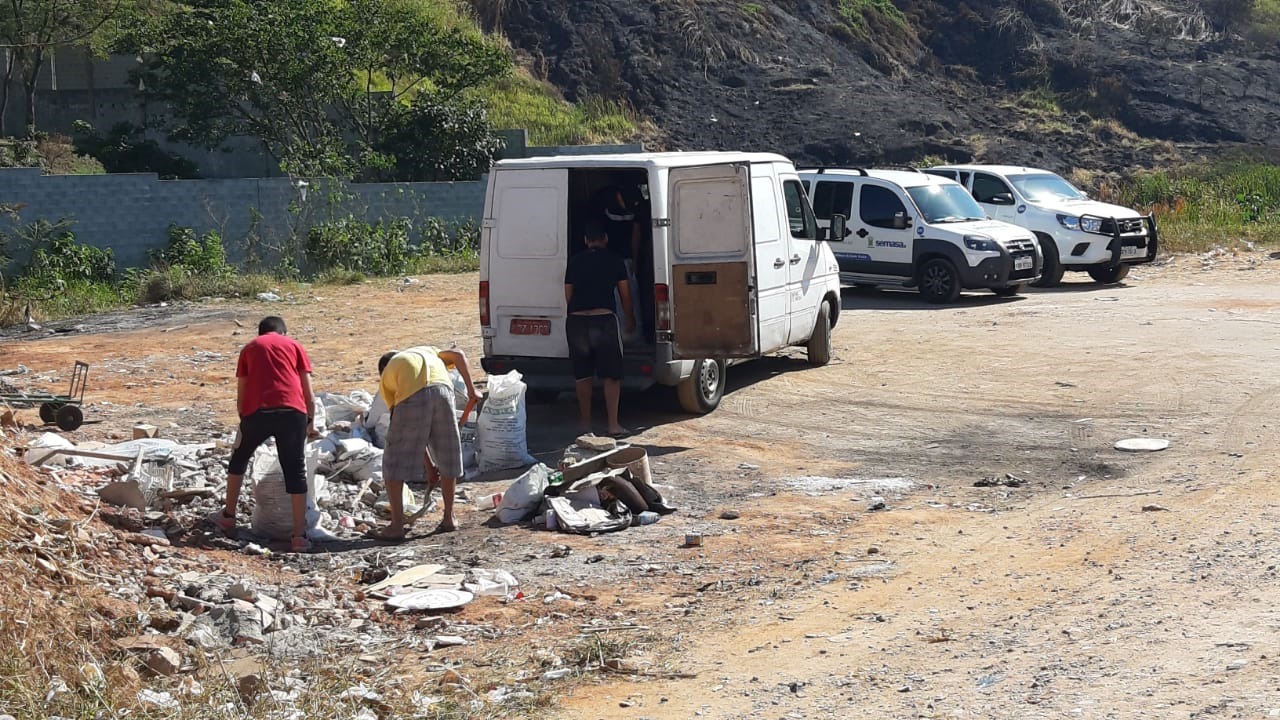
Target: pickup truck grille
[
  {"x": 1128, "y": 226},
  {"x": 1020, "y": 246}
]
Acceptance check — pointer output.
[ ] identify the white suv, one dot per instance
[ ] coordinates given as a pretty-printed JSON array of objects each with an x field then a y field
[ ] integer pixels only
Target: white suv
[
  {"x": 911, "y": 229},
  {"x": 1075, "y": 233}
]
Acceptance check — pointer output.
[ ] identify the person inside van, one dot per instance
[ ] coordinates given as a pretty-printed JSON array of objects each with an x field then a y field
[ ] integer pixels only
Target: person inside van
[
  {"x": 591, "y": 328},
  {"x": 617, "y": 206}
]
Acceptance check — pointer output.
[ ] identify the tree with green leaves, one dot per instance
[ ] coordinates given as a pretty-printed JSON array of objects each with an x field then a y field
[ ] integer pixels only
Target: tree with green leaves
[
  {"x": 317, "y": 81},
  {"x": 31, "y": 30}
]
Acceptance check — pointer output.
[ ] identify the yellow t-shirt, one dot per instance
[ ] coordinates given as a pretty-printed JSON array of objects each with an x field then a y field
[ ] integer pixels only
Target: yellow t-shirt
[{"x": 410, "y": 371}]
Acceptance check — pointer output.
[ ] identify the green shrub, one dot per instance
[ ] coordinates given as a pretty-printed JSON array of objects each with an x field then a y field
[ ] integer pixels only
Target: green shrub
[
  {"x": 56, "y": 256},
  {"x": 350, "y": 244},
  {"x": 124, "y": 149},
  {"x": 204, "y": 255}
]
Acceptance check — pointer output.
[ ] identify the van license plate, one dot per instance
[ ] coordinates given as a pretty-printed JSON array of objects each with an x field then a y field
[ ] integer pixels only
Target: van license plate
[
  {"x": 1023, "y": 263},
  {"x": 1132, "y": 251},
  {"x": 526, "y": 326}
]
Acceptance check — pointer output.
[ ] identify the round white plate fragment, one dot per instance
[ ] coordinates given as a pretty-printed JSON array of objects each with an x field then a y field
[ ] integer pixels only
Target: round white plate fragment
[
  {"x": 431, "y": 599},
  {"x": 1142, "y": 445}
]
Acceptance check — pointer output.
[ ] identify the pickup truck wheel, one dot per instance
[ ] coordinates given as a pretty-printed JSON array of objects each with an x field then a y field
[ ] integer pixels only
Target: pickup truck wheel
[
  {"x": 820, "y": 341},
  {"x": 700, "y": 393},
  {"x": 1107, "y": 275},
  {"x": 1009, "y": 291},
  {"x": 1051, "y": 271},
  {"x": 939, "y": 281}
]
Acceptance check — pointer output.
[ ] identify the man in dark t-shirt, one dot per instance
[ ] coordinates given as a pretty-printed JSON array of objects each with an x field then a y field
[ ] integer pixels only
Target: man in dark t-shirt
[{"x": 595, "y": 343}]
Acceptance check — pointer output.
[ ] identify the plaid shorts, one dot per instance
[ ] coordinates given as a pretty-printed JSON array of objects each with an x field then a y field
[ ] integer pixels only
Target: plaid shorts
[{"x": 423, "y": 422}]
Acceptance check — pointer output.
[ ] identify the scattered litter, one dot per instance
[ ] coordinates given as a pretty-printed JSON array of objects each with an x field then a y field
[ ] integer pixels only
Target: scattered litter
[
  {"x": 810, "y": 484},
  {"x": 268, "y": 297},
  {"x": 1154, "y": 508},
  {"x": 1008, "y": 480},
  {"x": 431, "y": 599},
  {"x": 1142, "y": 445}
]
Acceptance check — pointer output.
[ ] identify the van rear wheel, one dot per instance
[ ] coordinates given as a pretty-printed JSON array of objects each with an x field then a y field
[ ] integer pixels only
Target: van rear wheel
[
  {"x": 700, "y": 393},
  {"x": 820, "y": 341}
]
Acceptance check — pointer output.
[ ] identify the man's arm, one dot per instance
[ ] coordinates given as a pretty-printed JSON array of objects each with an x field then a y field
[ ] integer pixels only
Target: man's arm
[
  {"x": 458, "y": 359},
  {"x": 624, "y": 292},
  {"x": 568, "y": 293},
  {"x": 310, "y": 398},
  {"x": 242, "y": 382}
]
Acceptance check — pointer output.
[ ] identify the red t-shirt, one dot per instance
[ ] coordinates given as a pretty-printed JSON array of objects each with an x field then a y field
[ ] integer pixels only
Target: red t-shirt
[{"x": 273, "y": 365}]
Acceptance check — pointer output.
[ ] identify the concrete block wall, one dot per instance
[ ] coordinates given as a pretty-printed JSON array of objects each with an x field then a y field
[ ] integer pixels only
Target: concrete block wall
[{"x": 131, "y": 214}]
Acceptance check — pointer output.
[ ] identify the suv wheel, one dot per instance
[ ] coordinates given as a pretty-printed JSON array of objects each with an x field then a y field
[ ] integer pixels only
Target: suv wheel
[
  {"x": 939, "y": 281},
  {"x": 1107, "y": 275}
]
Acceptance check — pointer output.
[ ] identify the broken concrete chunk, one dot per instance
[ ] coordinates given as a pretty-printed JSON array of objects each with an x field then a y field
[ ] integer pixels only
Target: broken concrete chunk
[{"x": 162, "y": 661}]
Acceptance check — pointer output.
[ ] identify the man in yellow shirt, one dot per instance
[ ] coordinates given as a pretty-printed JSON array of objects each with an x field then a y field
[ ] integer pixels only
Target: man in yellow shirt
[{"x": 417, "y": 388}]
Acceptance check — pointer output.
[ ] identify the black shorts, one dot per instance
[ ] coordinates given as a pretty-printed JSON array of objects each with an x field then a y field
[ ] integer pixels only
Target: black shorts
[
  {"x": 289, "y": 428},
  {"x": 595, "y": 346}
]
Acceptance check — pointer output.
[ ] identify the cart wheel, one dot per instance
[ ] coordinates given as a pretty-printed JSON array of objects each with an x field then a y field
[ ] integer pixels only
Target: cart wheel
[
  {"x": 70, "y": 417},
  {"x": 48, "y": 412}
]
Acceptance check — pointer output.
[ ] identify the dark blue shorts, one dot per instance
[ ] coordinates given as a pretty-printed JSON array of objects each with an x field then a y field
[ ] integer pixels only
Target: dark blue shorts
[
  {"x": 595, "y": 346},
  {"x": 289, "y": 428}
]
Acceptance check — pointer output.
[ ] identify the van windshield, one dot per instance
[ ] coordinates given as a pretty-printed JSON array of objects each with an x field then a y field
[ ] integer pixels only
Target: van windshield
[
  {"x": 1045, "y": 186},
  {"x": 946, "y": 203}
]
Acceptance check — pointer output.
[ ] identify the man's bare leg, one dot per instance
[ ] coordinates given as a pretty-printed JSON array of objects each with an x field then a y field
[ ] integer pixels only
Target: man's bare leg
[
  {"x": 583, "y": 390},
  {"x": 447, "y": 487},
  {"x": 612, "y": 396}
]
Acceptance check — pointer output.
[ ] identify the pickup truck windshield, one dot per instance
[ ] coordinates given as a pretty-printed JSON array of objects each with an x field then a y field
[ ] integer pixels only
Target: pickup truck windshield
[
  {"x": 946, "y": 203},
  {"x": 1045, "y": 187}
]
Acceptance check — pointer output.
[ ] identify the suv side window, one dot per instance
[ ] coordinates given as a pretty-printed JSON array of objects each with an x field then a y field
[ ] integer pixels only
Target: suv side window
[
  {"x": 964, "y": 178},
  {"x": 878, "y": 205},
  {"x": 832, "y": 198},
  {"x": 986, "y": 187},
  {"x": 799, "y": 216},
  {"x": 948, "y": 174}
]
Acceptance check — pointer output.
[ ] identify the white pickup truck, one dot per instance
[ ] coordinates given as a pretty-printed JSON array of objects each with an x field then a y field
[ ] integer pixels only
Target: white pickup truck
[{"x": 1075, "y": 233}]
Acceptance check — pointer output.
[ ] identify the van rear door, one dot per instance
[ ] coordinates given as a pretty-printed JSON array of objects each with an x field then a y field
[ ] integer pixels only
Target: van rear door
[
  {"x": 527, "y": 227},
  {"x": 713, "y": 298}
]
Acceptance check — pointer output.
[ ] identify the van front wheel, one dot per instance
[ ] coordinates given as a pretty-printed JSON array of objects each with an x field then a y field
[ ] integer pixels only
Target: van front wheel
[
  {"x": 820, "y": 341},
  {"x": 700, "y": 393},
  {"x": 939, "y": 281}
]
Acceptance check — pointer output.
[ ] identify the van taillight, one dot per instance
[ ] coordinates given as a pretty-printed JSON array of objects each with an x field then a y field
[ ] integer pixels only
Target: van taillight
[
  {"x": 662, "y": 301},
  {"x": 484, "y": 303}
]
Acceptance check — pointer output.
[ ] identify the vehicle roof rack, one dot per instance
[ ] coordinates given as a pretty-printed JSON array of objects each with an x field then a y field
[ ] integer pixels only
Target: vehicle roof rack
[
  {"x": 823, "y": 168},
  {"x": 907, "y": 168}
]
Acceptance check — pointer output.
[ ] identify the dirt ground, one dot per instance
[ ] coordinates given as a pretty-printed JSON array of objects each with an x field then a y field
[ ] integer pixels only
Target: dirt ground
[{"x": 867, "y": 576}]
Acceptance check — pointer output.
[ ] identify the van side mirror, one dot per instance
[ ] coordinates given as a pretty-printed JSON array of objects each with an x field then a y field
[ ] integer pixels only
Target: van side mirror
[
  {"x": 901, "y": 221},
  {"x": 839, "y": 228},
  {"x": 1002, "y": 199}
]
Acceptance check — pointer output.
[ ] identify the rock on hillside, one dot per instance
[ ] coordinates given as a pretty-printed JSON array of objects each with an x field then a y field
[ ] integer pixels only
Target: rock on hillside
[{"x": 1101, "y": 84}]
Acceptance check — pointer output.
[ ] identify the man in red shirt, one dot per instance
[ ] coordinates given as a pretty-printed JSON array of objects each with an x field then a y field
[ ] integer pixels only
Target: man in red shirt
[{"x": 274, "y": 399}]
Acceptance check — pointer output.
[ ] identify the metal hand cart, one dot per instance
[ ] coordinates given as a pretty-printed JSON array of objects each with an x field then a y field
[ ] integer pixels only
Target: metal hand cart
[{"x": 64, "y": 410}]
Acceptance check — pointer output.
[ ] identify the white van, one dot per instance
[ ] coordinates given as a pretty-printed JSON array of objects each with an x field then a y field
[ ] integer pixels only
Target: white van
[
  {"x": 909, "y": 229},
  {"x": 1075, "y": 233},
  {"x": 738, "y": 269}
]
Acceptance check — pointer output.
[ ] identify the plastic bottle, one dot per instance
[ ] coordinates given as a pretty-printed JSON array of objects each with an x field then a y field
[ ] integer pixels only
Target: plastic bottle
[{"x": 645, "y": 518}]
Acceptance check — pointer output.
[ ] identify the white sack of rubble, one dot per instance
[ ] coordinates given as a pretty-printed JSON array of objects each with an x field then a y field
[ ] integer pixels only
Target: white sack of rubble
[
  {"x": 272, "y": 508},
  {"x": 501, "y": 440}
]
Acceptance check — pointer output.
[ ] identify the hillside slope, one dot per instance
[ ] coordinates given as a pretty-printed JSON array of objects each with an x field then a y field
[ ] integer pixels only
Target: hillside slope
[{"x": 1102, "y": 84}]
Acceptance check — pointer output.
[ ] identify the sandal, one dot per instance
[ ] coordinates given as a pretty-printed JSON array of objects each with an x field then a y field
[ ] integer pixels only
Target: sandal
[{"x": 299, "y": 544}]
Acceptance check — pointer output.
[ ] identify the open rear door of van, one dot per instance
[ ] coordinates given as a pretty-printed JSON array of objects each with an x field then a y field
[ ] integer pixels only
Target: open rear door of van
[
  {"x": 713, "y": 303},
  {"x": 527, "y": 254}
]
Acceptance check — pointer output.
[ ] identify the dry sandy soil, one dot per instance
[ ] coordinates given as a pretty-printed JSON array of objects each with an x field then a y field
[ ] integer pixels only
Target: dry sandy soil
[{"x": 1105, "y": 585}]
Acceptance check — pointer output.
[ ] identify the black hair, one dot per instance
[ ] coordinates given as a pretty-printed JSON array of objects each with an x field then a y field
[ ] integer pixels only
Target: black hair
[
  {"x": 271, "y": 324},
  {"x": 594, "y": 230},
  {"x": 386, "y": 358}
]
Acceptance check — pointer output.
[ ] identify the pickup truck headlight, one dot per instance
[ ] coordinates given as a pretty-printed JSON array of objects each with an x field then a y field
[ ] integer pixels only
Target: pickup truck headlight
[
  {"x": 1089, "y": 224},
  {"x": 981, "y": 243}
]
